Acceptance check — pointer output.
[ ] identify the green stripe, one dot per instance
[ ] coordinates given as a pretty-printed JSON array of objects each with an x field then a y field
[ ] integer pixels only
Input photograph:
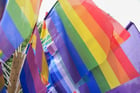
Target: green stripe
[
  {"x": 100, "y": 79},
  {"x": 19, "y": 19},
  {"x": 80, "y": 46},
  {"x": 47, "y": 38}
]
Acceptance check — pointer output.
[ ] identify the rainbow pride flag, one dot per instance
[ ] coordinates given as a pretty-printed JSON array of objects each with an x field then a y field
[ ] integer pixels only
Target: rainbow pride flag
[
  {"x": 88, "y": 41},
  {"x": 40, "y": 58},
  {"x": 30, "y": 77},
  {"x": 2, "y": 82},
  {"x": 17, "y": 24}
]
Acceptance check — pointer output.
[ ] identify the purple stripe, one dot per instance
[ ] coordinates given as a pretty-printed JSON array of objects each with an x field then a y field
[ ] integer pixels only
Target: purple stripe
[
  {"x": 132, "y": 86},
  {"x": 35, "y": 74},
  {"x": 1, "y": 73},
  {"x": 132, "y": 46},
  {"x": 6, "y": 46},
  {"x": 26, "y": 79},
  {"x": 2, "y": 7},
  {"x": 11, "y": 31},
  {"x": 84, "y": 89},
  {"x": 52, "y": 49},
  {"x": 38, "y": 50},
  {"x": 59, "y": 88},
  {"x": 63, "y": 51}
]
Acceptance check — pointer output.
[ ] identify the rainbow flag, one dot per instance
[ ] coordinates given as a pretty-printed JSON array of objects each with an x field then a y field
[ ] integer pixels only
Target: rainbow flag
[
  {"x": 88, "y": 41},
  {"x": 2, "y": 82},
  {"x": 17, "y": 24},
  {"x": 40, "y": 58},
  {"x": 30, "y": 77}
]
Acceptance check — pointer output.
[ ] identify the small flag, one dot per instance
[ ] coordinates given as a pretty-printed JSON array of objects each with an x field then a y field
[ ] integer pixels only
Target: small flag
[
  {"x": 30, "y": 77},
  {"x": 40, "y": 58}
]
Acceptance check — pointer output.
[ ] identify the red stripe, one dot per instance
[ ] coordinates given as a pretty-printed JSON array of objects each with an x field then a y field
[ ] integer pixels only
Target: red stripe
[
  {"x": 104, "y": 21},
  {"x": 107, "y": 23},
  {"x": 123, "y": 59}
]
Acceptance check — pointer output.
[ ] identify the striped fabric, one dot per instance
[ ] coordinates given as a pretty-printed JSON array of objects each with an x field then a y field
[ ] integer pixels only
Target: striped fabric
[
  {"x": 59, "y": 80},
  {"x": 40, "y": 58},
  {"x": 88, "y": 41},
  {"x": 45, "y": 37},
  {"x": 30, "y": 77},
  {"x": 131, "y": 48},
  {"x": 2, "y": 82},
  {"x": 17, "y": 24}
]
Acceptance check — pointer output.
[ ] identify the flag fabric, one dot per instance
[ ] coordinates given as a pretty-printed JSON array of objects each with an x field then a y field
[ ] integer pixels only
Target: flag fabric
[
  {"x": 2, "y": 7},
  {"x": 40, "y": 58},
  {"x": 132, "y": 45},
  {"x": 132, "y": 86},
  {"x": 2, "y": 82},
  {"x": 59, "y": 80},
  {"x": 17, "y": 23},
  {"x": 88, "y": 41},
  {"x": 30, "y": 77},
  {"x": 131, "y": 48},
  {"x": 45, "y": 37},
  {"x": 3, "y": 90}
]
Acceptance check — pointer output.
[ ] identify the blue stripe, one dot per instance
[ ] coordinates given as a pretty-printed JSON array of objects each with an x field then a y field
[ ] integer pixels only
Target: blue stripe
[
  {"x": 57, "y": 76},
  {"x": 70, "y": 47},
  {"x": 92, "y": 84},
  {"x": 3, "y": 90},
  {"x": 11, "y": 31},
  {"x": 26, "y": 79}
]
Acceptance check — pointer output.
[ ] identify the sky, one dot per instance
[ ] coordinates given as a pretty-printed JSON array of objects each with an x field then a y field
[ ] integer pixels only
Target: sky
[{"x": 123, "y": 11}]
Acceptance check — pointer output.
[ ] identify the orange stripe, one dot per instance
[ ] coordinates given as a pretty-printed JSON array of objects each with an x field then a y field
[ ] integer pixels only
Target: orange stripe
[
  {"x": 93, "y": 27},
  {"x": 117, "y": 68},
  {"x": 103, "y": 40},
  {"x": 36, "y": 5}
]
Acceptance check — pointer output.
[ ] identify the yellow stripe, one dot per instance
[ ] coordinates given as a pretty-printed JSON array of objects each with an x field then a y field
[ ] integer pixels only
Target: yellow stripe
[
  {"x": 109, "y": 74},
  {"x": 44, "y": 70},
  {"x": 84, "y": 33},
  {"x": 34, "y": 41},
  {"x": 91, "y": 43},
  {"x": 27, "y": 9},
  {"x": 44, "y": 33}
]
